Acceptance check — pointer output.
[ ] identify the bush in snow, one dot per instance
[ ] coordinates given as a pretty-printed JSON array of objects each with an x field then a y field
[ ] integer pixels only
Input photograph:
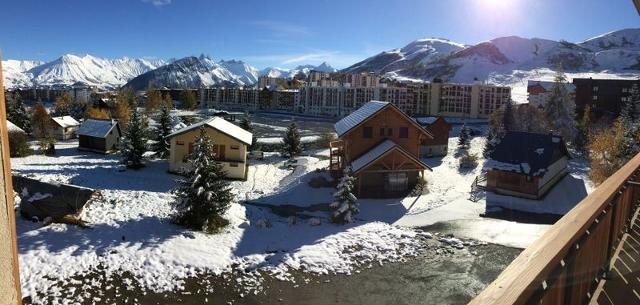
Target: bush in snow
[
  {"x": 291, "y": 144},
  {"x": 18, "y": 144},
  {"x": 162, "y": 146},
  {"x": 204, "y": 196},
  {"x": 345, "y": 204},
  {"x": 134, "y": 143},
  {"x": 468, "y": 161}
]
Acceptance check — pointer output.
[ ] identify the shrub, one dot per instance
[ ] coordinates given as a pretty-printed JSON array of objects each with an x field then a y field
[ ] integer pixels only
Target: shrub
[
  {"x": 18, "y": 145},
  {"x": 468, "y": 161}
]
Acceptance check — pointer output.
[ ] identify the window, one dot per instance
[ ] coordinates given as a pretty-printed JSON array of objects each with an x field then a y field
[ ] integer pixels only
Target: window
[
  {"x": 367, "y": 132},
  {"x": 235, "y": 147},
  {"x": 389, "y": 132},
  {"x": 595, "y": 88},
  {"x": 595, "y": 97},
  {"x": 179, "y": 142},
  {"x": 382, "y": 131},
  {"x": 404, "y": 132}
]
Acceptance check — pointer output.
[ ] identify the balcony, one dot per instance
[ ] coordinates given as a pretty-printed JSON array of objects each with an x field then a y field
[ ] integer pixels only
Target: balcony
[{"x": 590, "y": 256}]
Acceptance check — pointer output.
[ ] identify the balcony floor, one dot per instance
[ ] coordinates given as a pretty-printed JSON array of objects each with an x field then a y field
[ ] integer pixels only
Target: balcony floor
[{"x": 622, "y": 285}]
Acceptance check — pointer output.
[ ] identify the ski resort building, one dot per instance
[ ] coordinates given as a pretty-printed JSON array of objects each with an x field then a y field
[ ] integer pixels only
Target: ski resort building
[
  {"x": 437, "y": 146},
  {"x": 102, "y": 136},
  {"x": 230, "y": 146},
  {"x": 538, "y": 92},
  {"x": 527, "y": 164},
  {"x": 381, "y": 144},
  {"x": 65, "y": 127},
  {"x": 603, "y": 95}
]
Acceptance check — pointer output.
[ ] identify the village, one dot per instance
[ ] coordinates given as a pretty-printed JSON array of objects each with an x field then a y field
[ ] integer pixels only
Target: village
[{"x": 144, "y": 191}]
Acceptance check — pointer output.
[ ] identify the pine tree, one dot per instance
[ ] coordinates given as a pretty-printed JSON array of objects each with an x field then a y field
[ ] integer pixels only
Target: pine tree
[
  {"x": 345, "y": 204},
  {"x": 134, "y": 143},
  {"x": 464, "y": 139},
  {"x": 629, "y": 121},
  {"x": 163, "y": 130},
  {"x": 204, "y": 196},
  {"x": 62, "y": 105},
  {"x": 508, "y": 117},
  {"x": 245, "y": 123},
  {"x": 17, "y": 114},
  {"x": 291, "y": 144},
  {"x": 77, "y": 108},
  {"x": 559, "y": 110}
]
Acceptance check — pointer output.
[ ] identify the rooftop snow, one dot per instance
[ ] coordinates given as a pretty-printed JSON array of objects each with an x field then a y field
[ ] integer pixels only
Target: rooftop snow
[
  {"x": 426, "y": 120},
  {"x": 376, "y": 153},
  {"x": 358, "y": 116},
  {"x": 96, "y": 128},
  {"x": 528, "y": 153},
  {"x": 12, "y": 127},
  {"x": 221, "y": 125},
  {"x": 66, "y": 121}
]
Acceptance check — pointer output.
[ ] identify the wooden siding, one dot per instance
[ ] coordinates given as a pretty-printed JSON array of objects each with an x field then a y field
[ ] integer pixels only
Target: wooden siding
[
  {"x": 389, "y": 118},
  {"x": 440, "y": 130}
]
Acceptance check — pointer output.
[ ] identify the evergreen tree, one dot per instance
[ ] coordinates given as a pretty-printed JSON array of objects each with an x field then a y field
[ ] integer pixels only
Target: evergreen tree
[
  {"x": 245, "y": 123},
  {"x": 345, "y": 204},
  {"x": 134, "y": 143},
  {"x": 204, "y": 196},
  {"x": 559, "y": 110},
  {"x": 508, "y": 117},
  {"x": 464, "y": 139},
  {"x": 17, "y": 114},
  {"x": 62, "y": 105},
  {"x": 583, "y": 131},
  {"x": 629, "y": 121},
  {"x": 291, "y": 144},
  {"x": 77, "y": 109},
  {"x": 163, "y": 130}
]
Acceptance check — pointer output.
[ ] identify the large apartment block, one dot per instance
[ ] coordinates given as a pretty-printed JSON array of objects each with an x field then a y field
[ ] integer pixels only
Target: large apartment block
[
  {"x": 441, "y": 99},
  {"x": 604, "y": 96},
  {"x": 330, "y": 98}
]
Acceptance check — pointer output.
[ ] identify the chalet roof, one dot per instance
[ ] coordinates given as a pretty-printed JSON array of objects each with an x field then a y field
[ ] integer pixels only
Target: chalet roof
[
  {"x": 377, "y": 152},
  {"x": 220, "y": 125},
  {"x": 358, "y": 116},
  {"x": 366, "y": 111},
  {"x": 13, "y": 128},
  {"x": 424, "y": 121},
  {"x": 96, "y": 128},
  {"x": 65, "y": 121},
  {"x": 527, "y": 153}
]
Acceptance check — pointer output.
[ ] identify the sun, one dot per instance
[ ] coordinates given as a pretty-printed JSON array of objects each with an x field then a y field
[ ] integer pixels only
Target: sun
[{"x": 497, "y": 5}]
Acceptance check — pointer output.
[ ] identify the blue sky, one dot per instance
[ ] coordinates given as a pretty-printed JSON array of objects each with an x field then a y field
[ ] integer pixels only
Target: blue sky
[{"x": 287, "y": 33}]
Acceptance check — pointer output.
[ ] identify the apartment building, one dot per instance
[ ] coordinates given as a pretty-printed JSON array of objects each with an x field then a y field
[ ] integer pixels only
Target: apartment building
[
  {"x": 605, "y": 96},
  {"x": 538, "y": 92},
  {"x": 239, "y": 99}
]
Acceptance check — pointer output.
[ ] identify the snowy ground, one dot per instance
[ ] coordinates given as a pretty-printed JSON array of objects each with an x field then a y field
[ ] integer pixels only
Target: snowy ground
[{"x": 132, "y": 230}]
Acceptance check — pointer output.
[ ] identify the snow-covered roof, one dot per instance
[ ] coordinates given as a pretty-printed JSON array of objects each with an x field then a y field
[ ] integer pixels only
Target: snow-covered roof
[
  {"x": 13, "y": 128},
  {"x": 527, "y": 153},
  {"x": 96, "y": 128},
  {"x": 220, "y": 125},
  {"x": 377, "y": 152},
  {"x": 65, "y": 121},
  {"x": 358, "y": 116},
  {"x": 426, "y": 120}
]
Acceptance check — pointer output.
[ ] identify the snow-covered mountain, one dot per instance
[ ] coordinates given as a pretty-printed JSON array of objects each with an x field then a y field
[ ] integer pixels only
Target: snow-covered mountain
[
  {"x": 70, "y": 69},
  {"x": 194, "y": 72},
  {"x": 305, "y": 69},
  {"x": 245, "y": 73},
  {"x": 430, "y": 58}
]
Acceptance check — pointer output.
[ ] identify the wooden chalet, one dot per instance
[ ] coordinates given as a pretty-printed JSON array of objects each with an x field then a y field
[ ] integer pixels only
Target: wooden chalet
[
  {"x": 65, "y": 127},
  {"x": 101, "y": 136},
  {"x": 437, "y": 146},
  {"x": 381, "y": 144},
  {"x": 527, "y": 164}
]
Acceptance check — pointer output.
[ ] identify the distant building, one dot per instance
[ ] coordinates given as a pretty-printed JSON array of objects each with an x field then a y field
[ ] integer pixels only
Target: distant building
[
  {"x": 538, "y": 92},
  {"x": 364, "y": 79},
  {"x": 438, "y": 145},
  {"x": 381, "y": 145},
  {"x": 603, "y": 95},
  {"x": 527, "y": 164},
  {"x": 266, "y": 81},
  {"x": 101, "y": 136},
  {"x": 65, "y": 127},
  {"x": 230, "y": 146}
]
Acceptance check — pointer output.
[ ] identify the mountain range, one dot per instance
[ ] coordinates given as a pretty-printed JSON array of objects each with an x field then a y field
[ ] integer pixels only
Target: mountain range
[{"x": 423, "y": 59}]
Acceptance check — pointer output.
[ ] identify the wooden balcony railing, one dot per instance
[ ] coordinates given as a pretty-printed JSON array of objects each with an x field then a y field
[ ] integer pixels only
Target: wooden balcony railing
[{"x": 565, "y": 265}]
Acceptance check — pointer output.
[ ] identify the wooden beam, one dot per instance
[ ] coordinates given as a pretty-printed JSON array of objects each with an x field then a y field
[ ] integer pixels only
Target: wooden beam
[{"x": 10, "y": 282}]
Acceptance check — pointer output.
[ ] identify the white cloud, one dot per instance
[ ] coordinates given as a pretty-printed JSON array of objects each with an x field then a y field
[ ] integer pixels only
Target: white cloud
[
  {"x": 282, "y": 29},
  {"x": 335, "y": 58},
  {"x": 158, "y": 2}
]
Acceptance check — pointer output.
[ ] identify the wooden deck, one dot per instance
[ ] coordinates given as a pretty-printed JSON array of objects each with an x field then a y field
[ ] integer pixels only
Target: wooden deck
[{"x": 621, "y": 285}]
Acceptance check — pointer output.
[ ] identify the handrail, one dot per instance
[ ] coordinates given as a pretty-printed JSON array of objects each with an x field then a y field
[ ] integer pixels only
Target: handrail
[{"x": 561, "y": 265}]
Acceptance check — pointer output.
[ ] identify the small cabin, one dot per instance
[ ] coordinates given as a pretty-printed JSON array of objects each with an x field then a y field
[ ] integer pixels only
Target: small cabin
[
  {"x": 527, "y": 164},
  {"x": 381, "y": 144},
  {"x": 439, "y": 128},
  {"x": 230, "y": 143},
  {"x": 65, "y": 127},
  {"x": 102, "y": 136}
]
